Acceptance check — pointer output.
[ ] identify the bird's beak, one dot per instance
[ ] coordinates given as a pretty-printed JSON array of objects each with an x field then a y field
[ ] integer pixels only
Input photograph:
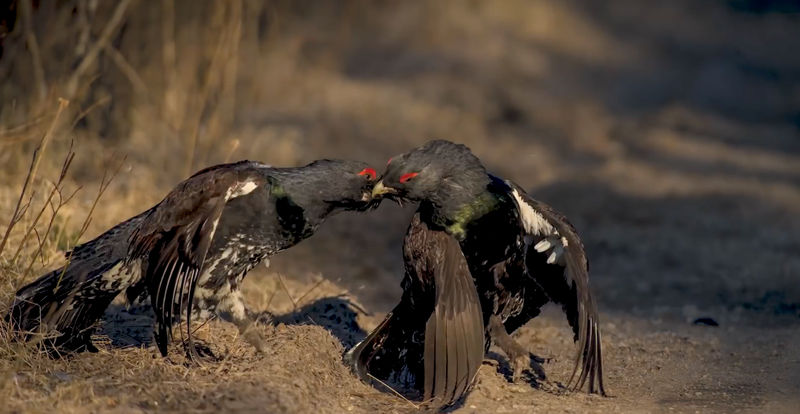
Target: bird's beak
[{"x": 379, "y": 189}]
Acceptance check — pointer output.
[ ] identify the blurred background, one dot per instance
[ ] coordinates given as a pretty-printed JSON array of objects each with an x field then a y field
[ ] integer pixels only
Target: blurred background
[{"x": 668, "y": 132}]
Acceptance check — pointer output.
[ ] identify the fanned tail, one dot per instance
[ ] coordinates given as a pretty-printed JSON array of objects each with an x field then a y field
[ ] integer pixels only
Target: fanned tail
[{"x": 62, "y": 306}]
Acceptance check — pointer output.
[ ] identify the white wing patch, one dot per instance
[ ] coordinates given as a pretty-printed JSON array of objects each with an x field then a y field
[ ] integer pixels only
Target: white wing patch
[
  {"x": 532, "y": 221},
  {"x": 241, "y": 189},
  {"x": 535, "y": 224}
]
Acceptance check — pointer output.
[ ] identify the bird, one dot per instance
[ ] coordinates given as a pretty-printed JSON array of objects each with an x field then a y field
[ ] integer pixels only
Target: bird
[
  {"x": 190, "y": 252},
  {"x": 513, "y": 252}
]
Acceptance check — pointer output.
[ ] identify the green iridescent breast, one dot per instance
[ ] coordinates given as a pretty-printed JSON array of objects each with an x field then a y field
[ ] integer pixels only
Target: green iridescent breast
[{"x": 477, "y": 208}]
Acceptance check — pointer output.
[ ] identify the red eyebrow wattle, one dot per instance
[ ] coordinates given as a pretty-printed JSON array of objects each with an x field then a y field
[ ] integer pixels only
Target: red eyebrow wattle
[
  {"x": 370, "y": 172},
  {"x": 408, "y": 176}
]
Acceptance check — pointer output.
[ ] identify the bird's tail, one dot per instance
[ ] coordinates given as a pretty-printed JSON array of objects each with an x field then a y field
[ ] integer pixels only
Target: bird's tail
[
  {"x": 392, "y": 355},
  {"x": 62, "y": 307}
]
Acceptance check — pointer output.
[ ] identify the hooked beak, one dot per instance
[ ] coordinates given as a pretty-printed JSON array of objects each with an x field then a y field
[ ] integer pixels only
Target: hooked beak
[{"x": 379, "y": 189}]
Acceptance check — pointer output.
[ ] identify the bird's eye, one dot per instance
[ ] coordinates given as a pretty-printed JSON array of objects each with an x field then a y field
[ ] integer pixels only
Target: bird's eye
[
  {"x": 369, "y": 172},
  {"x": 405, "y": 177}
]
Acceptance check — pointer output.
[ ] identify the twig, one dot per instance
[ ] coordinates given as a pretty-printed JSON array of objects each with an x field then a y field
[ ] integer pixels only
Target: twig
[
  {"x": 210, "y": 82},
  {"x": 138, "y": 84},
  {"x": 168, "y": 60},
  {"x": 274, "y": 291},
  {"x": 33, "y": 46},
  {"x": 104, "y": 183},
  {"x": 204, "y": 323},
  {"x": 294, "y": 302},
  {"x": 316, "y": 285},
  {"x": 82, "y": 114},
  {"x": 61, "y": 202},
  {"x": 56, "y": 189},
  {"x": 84, "y": 26},
  {"x": 223, "y": 117},
  {"x": 40, "y": 243},
  {"x": 19, "y": 129},
  {"x": 37, "y": 157},
  {"x": 394, "y": 391},
  {"x": 94, "y": 50}
]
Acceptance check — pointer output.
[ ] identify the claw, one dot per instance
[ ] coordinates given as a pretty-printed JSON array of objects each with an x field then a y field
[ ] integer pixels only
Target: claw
[
  {"x": 519, "y": 363},
  {"x": 527, "y": 362},
  {"x": 539, "y": 359},
  {"x": 536, "y": 367},
  {"x": 198, "y": 351}
]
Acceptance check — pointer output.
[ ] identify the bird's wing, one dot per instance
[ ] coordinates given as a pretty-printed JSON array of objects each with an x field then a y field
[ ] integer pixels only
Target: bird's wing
[
  {"x": 555, "y": 258},
  {"x": 176, "y": 235},
  {"x": 454, "y": 333}
]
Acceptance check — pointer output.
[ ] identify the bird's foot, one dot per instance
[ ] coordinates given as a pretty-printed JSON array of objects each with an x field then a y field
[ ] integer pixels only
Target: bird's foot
[
  {"x": 253, "y": 330},
  {"x": 526, "y": 361},
  {"x": 550, "y": 387},
  {"x": 198, "y": 351},
  {"x": 256, "y": 338},
  {"x": 518, "y": 357},
  {"x": 263, "y": 318}
]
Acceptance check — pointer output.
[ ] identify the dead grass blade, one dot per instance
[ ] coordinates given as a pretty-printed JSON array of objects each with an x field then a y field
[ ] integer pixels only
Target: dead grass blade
[
  {"x": 57, "y": 189},
  {"x": 104, "y": 183},
  {"x": 286, "y": 289},
  {"x": 37, "y": 157},
  {"x": 395, "y": 392},
  {"x": 316, "y": 285}
]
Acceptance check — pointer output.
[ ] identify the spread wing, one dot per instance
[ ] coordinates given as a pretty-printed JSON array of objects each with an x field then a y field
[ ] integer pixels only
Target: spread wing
[
  {"x": 176, "y": 235},
  {"x": 556, "y": 253},
  {"x": 433, "y": 340},
  {"x": 454, "y": 333}
]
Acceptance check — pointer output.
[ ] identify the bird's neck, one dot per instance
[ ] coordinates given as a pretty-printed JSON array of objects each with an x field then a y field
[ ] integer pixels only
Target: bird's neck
[
  {"x": 455, "y": 210},
  {"x": 307, "y": 192}
]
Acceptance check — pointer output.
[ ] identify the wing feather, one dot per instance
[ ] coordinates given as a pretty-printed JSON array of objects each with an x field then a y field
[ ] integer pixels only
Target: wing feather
[
  {"x": 175, "y": 237},
  {"x": 556, "y": 242},
  {"x": 455, "y": 327},
  {"x": 440, "y": 301}
]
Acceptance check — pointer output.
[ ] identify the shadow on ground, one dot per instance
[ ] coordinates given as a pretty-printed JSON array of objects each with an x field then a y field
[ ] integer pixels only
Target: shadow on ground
[{"x": 132, "y": 326}]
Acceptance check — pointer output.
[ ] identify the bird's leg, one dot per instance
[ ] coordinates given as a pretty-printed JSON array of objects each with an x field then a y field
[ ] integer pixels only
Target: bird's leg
[
  {"x": 248, "y": 322},
  {"x": 520, "y": 358}
]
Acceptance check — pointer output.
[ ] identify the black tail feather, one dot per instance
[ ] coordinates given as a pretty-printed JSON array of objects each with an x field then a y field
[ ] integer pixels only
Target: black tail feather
[{"x": 61, "y": 308}]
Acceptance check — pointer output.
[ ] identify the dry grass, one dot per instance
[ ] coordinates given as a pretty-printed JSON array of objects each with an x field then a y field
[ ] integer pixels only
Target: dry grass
[{"x": 622, "y": 115}]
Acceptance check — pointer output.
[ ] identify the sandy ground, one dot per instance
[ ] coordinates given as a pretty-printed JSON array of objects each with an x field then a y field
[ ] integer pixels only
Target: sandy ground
[{"x": 668, "y": 133}]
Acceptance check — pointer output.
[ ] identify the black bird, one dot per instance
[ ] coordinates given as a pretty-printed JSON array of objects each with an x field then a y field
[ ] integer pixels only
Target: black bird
[
  {"x": 191, "y": 250},
  {"x": 520, "y": 253}
]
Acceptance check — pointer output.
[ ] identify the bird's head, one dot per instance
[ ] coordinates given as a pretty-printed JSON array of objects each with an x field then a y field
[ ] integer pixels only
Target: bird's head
[
  {"x": 347, "y": 185},
  {"x": 437, "y": 171}
]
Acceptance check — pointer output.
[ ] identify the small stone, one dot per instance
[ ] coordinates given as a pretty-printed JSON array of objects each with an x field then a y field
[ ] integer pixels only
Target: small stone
[{"x": 705, "y": 321}]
